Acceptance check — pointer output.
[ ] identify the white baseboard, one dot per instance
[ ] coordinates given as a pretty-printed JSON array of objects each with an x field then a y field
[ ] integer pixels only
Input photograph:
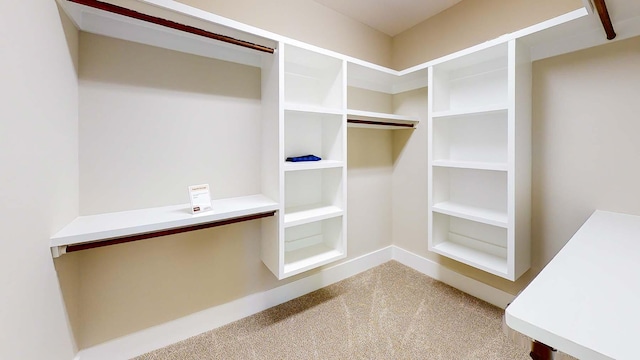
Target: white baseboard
[
  {"x": 434, "y": 270},
  {"x": 162, "y": 335}
]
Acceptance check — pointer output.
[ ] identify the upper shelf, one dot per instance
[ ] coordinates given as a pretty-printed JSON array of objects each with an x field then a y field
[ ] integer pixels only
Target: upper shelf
[
  {"x": 94, "y": 228},
  {"x": 374, "y": 120},
  {"x": 171, "y": 25}
]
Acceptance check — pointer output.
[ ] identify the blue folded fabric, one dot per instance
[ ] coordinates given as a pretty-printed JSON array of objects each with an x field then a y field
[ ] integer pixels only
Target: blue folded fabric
[{"x": 303, "y": 158}]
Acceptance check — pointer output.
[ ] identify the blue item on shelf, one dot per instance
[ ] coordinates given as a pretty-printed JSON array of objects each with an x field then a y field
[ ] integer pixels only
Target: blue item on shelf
[{"x": 304, "y": 158}]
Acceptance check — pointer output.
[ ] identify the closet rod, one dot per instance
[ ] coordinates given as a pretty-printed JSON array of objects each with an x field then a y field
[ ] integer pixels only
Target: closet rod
[
  {"x": 170, "y": 24},
  {"x": 381, "y": 123},
  {"x": 137, "y": 237},
  {"x": 605, "y": 19}
]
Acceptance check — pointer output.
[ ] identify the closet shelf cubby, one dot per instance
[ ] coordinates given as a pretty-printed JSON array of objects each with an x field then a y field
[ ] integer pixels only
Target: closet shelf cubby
[
  {"x": 118, "y": 225},
  {"x": 312, "y": 165}
]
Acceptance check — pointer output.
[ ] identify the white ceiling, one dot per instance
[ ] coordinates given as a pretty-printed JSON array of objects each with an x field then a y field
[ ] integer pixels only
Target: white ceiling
[{"x": 389, "y": 16}]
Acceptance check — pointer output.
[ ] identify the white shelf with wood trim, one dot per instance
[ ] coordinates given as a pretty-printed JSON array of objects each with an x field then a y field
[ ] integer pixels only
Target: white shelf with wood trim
[
  {"x": 155, "y": 221},
  {"x": 376, "y": 120}
]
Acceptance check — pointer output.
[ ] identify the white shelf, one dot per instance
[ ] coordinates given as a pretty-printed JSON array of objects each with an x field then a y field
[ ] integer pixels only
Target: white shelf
[
  {"x": 312, "y": 165},
  {"x": 476, "y": 258},
  {"x": 289, "y": 106},
  {"x": 485, "y": 216},
  {"x": 106, "y": 23},
  {"x": 491, "y": 109},
  {"x": 307, "y": 258},
  {"x": 474, "y": 165},
  {"x": 305, "y": 214},
  {"x": 94, "y": 228},
  {"x": 381, "y": 120}
]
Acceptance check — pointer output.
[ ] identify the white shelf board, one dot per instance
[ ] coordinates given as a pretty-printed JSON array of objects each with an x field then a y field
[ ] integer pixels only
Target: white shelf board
[
  {"x": 475, "y": 165},
  {"x": 485, "y": 216},
  {"x": 94, "y": 228},
  {"x": 487, "y": 262},
  {"x": 305, "y": 214},
  {"x": 288, "y": 106},
  {"x": 502, "y": 108},
  {"x": 312, "y": 165},
  {"x": 306, "y": 258},
  {"x": 381, "y": 118},
  {"x": 122, "y": 27},
  {"x": 361, "y": 74}
]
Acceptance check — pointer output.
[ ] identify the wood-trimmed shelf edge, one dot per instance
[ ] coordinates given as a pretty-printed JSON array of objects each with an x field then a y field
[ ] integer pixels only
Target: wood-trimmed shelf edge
[{"x": 92, "y": 231}]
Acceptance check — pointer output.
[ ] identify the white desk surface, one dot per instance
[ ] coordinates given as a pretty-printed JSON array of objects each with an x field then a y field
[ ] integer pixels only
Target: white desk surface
[{"x": 586, "y": 301}]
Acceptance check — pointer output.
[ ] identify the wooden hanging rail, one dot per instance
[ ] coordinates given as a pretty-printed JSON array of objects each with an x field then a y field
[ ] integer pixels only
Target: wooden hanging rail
[
  {"x": 170, "y": 24},
  {"x": 601, "y": 7},
  {"x": 137, "y": 237},
  {"x": 379, "y": 123}
]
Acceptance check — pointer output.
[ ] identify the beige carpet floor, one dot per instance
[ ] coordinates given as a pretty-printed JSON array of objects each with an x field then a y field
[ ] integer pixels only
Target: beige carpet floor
[{"x": 388, "y": 312}]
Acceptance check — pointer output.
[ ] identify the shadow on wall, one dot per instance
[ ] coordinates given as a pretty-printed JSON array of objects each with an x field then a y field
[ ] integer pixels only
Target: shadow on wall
[{"x": 116, "y": 290}]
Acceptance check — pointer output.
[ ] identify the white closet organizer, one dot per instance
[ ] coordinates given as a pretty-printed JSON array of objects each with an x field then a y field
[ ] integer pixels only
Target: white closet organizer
[
  {"x": 479, "y": 135},
  {"x": 312, "y": 231},
  {"x": 479, "y": 158}
]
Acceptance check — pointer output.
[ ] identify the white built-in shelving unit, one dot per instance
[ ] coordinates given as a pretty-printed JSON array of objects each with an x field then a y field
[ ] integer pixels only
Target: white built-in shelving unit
[
  {"x": 479, "y": 158},
  {"x": 478, "y": 125},
  {"x": 314, "y": 193}
]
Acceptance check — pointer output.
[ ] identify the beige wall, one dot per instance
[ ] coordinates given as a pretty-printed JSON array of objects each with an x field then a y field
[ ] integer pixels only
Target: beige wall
[
  {"x": 38, "y": 158},
  {"x": 307, "y": 21},
  {"x": 468, "y": 23}
]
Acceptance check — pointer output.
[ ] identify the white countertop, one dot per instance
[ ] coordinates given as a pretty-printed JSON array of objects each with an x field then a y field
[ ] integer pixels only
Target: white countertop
[{"x": 586, "y": 301}]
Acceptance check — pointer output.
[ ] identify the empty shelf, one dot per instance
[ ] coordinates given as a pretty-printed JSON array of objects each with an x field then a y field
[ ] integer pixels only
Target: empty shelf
[
  {"x": 306, "y": 214},
  {"x": 485, "y": 216},
  {"x": 359, "y": 118},
  {"x": 476, "y": 165},
  {"x": 300, "y": 260},
  {"x": 470, "y": 256}
]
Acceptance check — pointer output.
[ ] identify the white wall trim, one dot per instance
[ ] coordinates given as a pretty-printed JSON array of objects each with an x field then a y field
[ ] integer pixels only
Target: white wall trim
[
  {"x": 470, "y": 286},
  {"x": 162, "y": 335}
]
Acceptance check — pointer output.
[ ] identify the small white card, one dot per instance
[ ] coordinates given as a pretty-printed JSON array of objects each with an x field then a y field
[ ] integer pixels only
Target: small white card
[{"x": 200, "y": 198}]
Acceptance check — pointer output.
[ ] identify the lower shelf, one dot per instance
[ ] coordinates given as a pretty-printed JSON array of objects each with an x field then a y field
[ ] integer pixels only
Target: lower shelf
[
  {"x": 473, "y": 243},
  {"x": 310, "y": 257},
  {"x": 313, "y": 244},
  {"x": 491, "y": 263}
]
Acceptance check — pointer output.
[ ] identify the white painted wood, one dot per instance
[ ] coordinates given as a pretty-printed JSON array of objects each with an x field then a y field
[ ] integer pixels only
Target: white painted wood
[
  {"x": 495, "y": 166},
  {"x": 480, "y": 158},
  {"x": 473, "y": 213},
  {"x": 272, "y": 153},
  {"x": 585, "y": 301},
  {"x": 305, "y": 214},
  {"x": 113, "y": 225},
  {"x": 313, "y": 165},
  {"x": 313, "y": 244},
  {"x": 381, "y": 117}
]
